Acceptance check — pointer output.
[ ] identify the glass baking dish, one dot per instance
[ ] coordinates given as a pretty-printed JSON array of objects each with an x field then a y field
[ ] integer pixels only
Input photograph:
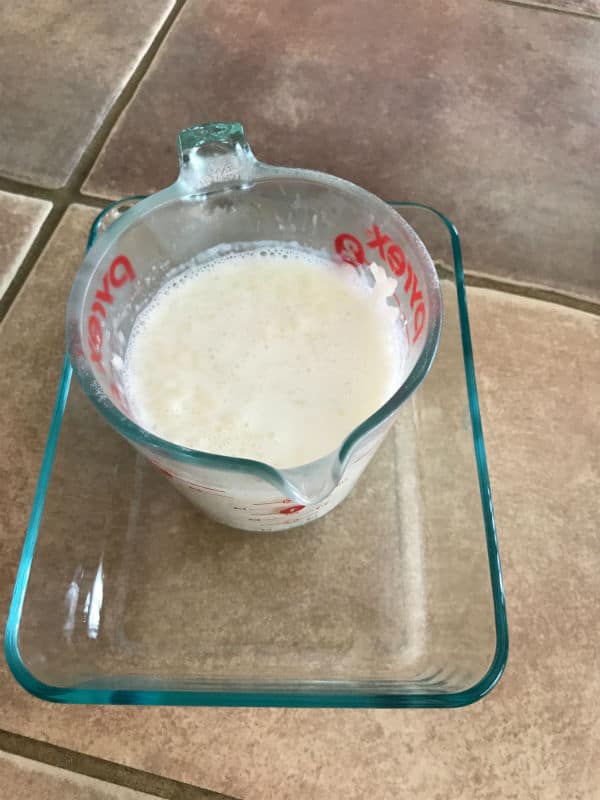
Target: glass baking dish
[{"x": 126, "y": 594}]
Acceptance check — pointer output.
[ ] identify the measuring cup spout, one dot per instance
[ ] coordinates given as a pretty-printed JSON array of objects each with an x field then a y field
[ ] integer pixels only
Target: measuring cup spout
[{"x": 312, "y": 483}]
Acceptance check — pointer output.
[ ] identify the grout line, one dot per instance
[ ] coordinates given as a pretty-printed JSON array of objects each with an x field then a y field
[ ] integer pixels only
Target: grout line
[
  {"x": 61, "y": 199},
  {"x": 480, "y": 281},
  {"x": 39, "y": 243},
  {"x": 531, "y": 4},
  {"x": 90, "y": 200},
  {"x": 103, "y": 770},
  {"x": 54, "y": 196},
  {"x": 71, "y": 192},
  {"x": 534, "y": 293},
  {"x": 29, "y": 190},
  {"x": 92, "y": 151}
]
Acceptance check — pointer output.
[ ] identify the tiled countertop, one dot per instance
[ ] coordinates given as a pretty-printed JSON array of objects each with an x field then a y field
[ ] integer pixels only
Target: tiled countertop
[{"x": 488, "y": 110}]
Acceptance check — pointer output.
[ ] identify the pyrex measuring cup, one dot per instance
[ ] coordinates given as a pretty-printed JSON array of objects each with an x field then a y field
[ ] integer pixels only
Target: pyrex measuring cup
[{"x": 225, "y": 197}]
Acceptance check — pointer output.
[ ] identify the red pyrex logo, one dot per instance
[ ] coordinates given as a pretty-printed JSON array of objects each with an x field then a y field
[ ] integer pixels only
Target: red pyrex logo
[
  {"x": 352, "y": 251},
  {"x": 118, "y": 274}
]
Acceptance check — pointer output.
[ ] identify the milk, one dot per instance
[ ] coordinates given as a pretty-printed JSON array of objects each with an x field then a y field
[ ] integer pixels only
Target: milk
[{"x": 271, "y": 354}]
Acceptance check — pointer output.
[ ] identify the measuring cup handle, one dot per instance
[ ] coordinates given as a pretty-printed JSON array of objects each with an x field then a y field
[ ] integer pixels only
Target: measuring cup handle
[{"x": 214, "y": 154}]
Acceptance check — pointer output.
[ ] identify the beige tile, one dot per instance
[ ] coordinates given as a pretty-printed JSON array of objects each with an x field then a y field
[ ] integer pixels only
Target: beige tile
[
  {"x": 536, "y": 736},
  {"x": 63, "y": 64},
  {"x": 487, "y": 111},
  {"x": 20, "y": 220},
  {"x": 24, "y": 779}
]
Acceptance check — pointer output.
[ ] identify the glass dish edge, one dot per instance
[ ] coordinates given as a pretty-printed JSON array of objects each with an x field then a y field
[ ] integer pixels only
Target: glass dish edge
[{"x": 360, "y": 698}]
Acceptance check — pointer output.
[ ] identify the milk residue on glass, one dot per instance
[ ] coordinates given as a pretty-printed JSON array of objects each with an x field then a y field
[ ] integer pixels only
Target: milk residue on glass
[{"x": 271, "y": 354}]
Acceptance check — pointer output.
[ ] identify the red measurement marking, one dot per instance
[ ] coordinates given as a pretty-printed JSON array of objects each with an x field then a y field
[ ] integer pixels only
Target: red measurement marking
[
  {"x": 378, "y": 240},
  {"x": 291, "y": 509},
  {"x": 352, "y": 251},
  {"x": 118, "y": 274},
  {"x": 396, "y": 260},
  {"x": 273, "y": 511},
  {"x": 163, "y": 470}
]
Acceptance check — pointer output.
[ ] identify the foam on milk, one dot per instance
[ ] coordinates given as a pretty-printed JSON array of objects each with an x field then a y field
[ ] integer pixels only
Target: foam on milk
[{"x": 272, "y": 354}]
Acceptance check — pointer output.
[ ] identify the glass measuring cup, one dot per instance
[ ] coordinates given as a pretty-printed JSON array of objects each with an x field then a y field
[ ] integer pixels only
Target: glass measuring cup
[{"x": 225, "y": 197}]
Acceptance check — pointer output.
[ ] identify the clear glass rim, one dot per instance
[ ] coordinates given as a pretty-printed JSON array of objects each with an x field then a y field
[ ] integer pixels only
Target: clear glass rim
[{"x": 145, "y": 438}]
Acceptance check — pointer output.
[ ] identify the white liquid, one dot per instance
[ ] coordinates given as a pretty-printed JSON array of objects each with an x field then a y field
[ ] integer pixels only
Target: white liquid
[{"x": 274, "y": 355}]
